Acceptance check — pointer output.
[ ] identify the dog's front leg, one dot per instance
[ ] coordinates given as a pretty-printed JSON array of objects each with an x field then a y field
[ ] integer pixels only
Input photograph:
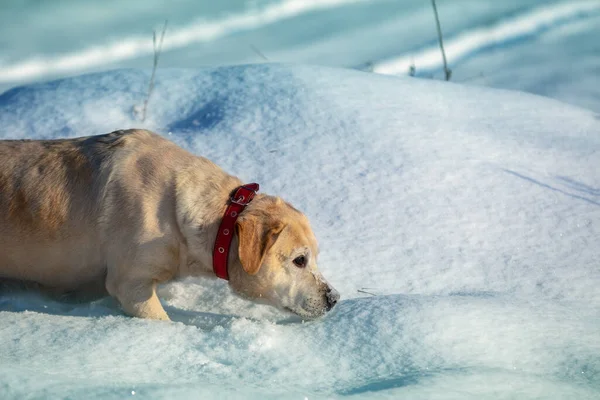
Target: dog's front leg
[{"x": 138, "y": 299}]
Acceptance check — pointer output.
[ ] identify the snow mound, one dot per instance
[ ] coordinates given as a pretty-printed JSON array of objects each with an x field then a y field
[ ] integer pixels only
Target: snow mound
[{"x": 459, "y": 223}]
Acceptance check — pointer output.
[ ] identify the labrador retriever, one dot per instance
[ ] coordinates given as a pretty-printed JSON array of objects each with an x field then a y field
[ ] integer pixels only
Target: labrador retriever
[{"x": 128, "y": 210}]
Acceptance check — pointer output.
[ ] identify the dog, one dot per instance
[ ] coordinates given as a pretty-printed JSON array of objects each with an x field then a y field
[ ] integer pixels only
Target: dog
[{"x": 129, "y": 210}]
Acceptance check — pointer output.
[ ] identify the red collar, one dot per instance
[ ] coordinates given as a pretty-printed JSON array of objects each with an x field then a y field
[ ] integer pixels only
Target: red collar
[{"x": 238, "y": 201}]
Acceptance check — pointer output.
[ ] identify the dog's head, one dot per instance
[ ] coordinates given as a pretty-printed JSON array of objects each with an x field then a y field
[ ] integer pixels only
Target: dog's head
[{"x": 277, "y": 260}]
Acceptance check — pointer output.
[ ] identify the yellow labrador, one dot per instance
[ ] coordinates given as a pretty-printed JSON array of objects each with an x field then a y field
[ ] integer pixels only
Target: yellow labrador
[{"x": 129, "y": 210}]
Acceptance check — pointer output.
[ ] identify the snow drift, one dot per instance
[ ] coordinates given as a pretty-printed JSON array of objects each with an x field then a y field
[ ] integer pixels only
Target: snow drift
[{"x": 460, "y": 225}]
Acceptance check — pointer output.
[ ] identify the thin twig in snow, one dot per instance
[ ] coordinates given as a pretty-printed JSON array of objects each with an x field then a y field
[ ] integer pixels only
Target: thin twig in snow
[
  {"x": 364, "y": 291},
  {"x": 447, "y": 70},
  {"x": 258, "y": 52},
  {"x": 412, "y": 70},
  {"x": 157, "y": 49}
]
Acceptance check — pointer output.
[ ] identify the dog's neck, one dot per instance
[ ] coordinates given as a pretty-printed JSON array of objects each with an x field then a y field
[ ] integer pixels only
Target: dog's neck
[{"x": 200, "y": 206}]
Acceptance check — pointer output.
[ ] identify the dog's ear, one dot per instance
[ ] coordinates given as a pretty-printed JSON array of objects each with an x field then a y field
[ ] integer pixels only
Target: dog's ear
[{"x": 256, "y": 235}]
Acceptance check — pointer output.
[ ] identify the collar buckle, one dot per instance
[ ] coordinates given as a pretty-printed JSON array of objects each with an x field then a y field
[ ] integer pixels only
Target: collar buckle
[{"x": 244, "y": 194}]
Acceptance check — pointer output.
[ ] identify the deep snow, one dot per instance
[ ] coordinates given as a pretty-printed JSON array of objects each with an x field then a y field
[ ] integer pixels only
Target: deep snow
[
  {"x": 547, "y": 47},
  {"x": 470, "y": 213}
]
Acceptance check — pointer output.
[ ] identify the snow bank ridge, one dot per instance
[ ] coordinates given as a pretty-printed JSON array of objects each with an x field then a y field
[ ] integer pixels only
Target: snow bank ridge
[
  {"x": 513, "y": 28},
  {"x": 199, "y": 31},
  {"x": 475, "y": 40}
]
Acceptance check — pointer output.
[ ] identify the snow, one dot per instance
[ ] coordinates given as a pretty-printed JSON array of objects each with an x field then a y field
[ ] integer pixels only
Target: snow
[
  {"x": 475, "y": 40},
  {"x": 459, "y": 223},
  {"x": 198, "y": 31},
  {"x": 528, "y": 45}
]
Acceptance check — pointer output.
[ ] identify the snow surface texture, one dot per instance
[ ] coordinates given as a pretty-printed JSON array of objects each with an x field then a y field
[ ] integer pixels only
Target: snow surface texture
[
  {"x": 544, "y": 47},
  {"x": 471, "y": 215}
]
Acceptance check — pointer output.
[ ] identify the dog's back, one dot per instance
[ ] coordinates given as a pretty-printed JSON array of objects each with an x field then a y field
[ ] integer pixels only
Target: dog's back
[{"x": 51, "y": 195}]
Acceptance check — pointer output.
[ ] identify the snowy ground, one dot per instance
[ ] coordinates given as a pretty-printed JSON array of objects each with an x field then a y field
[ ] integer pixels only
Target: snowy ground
[
  {"x": 547, "y": 47},
  {"x": 470, "y": 214}
]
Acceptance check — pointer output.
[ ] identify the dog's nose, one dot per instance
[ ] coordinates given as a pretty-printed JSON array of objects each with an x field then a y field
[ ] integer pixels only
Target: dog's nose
[{"x": 332, "y": 297}]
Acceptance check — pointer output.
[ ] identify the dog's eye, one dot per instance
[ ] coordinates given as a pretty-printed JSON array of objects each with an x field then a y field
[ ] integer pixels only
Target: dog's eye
[{"x": 300, "y": 261}]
